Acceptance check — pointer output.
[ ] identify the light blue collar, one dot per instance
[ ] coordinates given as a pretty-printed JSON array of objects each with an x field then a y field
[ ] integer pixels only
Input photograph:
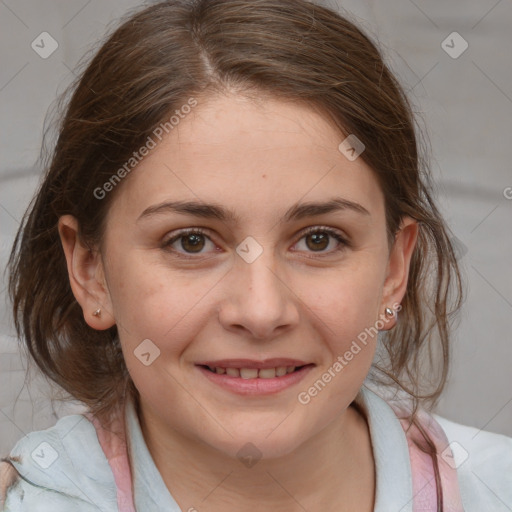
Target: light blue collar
[
  {"x": 150, "y": 491},
  {"x": 390, "y": 451}
]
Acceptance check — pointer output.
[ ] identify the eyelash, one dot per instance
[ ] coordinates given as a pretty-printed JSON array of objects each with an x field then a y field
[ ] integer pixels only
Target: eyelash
[{"x": 344, "y": 243}]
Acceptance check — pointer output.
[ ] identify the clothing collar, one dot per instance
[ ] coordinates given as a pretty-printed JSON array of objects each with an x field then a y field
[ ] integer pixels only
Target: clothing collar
[
  {"x": 390, "y": 452},
  {"x": 149, "y": 490},
  {"x": 394, "y": 489}
]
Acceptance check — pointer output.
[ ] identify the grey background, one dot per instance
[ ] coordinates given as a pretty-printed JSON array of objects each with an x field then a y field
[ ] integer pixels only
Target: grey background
[{"x": 465, "y": 104}]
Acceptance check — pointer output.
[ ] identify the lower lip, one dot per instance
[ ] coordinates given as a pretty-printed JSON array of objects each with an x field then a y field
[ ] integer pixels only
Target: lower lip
[{"x": 256, "y": 386}]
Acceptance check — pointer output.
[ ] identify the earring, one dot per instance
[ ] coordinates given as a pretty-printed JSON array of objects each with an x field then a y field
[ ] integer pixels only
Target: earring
[
  {"x": 389, "y": 312},
  {"x": 97, "y": 312}
]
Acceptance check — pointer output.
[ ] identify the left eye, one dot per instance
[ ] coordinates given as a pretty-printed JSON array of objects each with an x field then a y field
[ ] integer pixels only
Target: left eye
[
  {"x": 320, "y": 239},
  {"x": 192, "y": 241}
]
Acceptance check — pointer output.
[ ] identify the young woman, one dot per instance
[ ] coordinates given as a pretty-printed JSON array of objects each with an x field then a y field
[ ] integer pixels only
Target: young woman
[{"x": 234, "y": 259}]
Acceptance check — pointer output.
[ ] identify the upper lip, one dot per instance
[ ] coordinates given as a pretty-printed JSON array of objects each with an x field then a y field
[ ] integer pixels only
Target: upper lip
[{"x": 251, "y": 363}]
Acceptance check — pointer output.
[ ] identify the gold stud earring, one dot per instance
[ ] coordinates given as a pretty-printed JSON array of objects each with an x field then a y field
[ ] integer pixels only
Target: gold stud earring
[
  {"x": 97, "y": 312},
  {"x": 389, "y": 312}
]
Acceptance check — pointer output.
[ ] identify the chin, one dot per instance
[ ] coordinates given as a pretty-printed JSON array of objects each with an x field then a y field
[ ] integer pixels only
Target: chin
[{"x": 255, "y": 442}]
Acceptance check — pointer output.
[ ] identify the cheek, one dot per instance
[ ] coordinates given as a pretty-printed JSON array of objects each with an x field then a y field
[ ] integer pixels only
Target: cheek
[
  {"x": 150, "y": 301},
  {"x": 347, "y": 312},
  {"x": 346, "y": 309},
  {"x": 348, "y": 300}
]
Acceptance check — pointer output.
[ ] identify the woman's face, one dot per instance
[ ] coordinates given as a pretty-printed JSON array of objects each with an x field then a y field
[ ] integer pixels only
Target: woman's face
[{"x": 285, "y": 263}]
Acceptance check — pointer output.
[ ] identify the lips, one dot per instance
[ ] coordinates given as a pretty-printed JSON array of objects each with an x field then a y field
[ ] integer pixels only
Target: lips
[
  {"x": 253, "y": 373},
  {"x": 252, "y": 363},
  {"x": 252, "y": 377},
  {"x": 252, "y": 369}
]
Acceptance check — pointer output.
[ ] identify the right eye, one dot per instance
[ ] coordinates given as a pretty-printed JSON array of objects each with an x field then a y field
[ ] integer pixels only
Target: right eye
[{"x": 189, "y": 241}]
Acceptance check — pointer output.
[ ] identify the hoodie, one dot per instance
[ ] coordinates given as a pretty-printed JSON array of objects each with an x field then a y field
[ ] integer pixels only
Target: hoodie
[
  {"x": 61, "y": 469},
  {"x": 76, "y": 466}
]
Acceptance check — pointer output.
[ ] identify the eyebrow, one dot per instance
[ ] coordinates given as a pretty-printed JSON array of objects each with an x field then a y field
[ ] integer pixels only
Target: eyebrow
[{"x": 216, "y": 211}]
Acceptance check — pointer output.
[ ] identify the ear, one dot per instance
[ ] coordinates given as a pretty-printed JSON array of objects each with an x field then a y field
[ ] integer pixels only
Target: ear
[
  {"x": 395, "y": 284},
  {"x": 86, "y": 275}
]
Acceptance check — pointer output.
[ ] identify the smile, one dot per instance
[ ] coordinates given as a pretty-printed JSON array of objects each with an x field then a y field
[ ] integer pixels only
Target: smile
[
  {"x": 250, "y": 378},
  {"x": 254, "y": 373}
]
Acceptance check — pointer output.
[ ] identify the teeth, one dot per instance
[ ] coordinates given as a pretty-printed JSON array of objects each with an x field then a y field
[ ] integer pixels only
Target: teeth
[
  {"x": 281, "y": 370},
  {"x": 253, "y": 373},
  {"x": 267, "y": 373},
  {"x": 233, "y": 372},
  {"x": 248, "y": 373}
]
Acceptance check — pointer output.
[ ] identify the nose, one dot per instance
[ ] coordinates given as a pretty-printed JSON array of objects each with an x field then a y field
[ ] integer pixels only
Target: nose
[{"x": 258, "y": 300}]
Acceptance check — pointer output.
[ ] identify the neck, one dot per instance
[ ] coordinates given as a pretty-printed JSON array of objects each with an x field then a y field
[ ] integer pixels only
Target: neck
[{"x": 335, "y": 467}]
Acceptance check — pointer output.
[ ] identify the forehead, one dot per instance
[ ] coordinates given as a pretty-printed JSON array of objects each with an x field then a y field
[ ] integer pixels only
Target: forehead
[{"x": 243, "y": 152}]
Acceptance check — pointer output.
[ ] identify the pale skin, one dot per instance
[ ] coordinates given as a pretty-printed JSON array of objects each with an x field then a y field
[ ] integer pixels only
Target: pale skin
[{"x": 258, "y": 159}]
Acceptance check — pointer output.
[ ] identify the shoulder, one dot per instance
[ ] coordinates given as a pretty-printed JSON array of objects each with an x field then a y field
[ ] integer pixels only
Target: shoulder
[
  {"x": 484, "y": 466},
  {"x": 59, "y": 469},
  {"x": 8, "y": 477},
  {"x": 482, "y": 460}
]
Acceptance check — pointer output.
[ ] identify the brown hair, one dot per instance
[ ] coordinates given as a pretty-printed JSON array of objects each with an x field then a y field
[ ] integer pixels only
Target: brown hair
[{"x": 150, "y": 66}]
